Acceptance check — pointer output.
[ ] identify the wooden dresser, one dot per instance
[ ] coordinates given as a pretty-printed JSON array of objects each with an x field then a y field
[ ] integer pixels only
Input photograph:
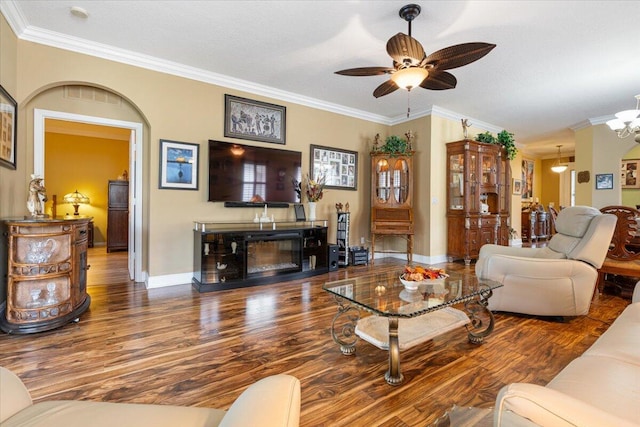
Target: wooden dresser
[{"x": 46, "y": 280}]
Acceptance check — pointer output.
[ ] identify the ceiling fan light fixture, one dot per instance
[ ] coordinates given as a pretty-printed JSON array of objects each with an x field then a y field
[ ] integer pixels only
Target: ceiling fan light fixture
[{"x": 408, "y": 78}]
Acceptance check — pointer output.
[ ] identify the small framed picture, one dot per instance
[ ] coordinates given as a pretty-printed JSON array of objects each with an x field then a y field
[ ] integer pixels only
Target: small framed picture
[
  {"x": 178, "y": 165},
  {"x": 517, "y": 186},
  {"x": 604, "y": 181},
  {"x": 299, "y": 210}
]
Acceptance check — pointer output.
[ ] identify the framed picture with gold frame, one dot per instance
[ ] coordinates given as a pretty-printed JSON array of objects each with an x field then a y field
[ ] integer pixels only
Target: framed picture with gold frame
[
  {"x": 8, "y": 123},
  {"x": 517, "y": 186},
  {"x": 629, "y": 173},
  {"x": 527, "y": 179}
]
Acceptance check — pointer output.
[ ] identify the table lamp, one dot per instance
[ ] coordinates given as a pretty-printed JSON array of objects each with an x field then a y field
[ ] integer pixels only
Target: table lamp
[{"x": 76, "y": 199}]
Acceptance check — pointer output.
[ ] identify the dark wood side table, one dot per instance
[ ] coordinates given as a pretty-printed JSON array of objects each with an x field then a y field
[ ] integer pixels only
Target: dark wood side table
[{"x": 90, "y": 234}]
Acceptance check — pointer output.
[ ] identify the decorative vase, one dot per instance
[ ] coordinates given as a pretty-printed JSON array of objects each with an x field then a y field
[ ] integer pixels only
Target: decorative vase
[{"x": 312, "y": 211}]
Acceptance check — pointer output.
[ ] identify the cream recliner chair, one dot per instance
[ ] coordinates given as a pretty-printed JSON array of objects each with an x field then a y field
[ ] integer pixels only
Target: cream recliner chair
[{"x": 556, "y": 280}]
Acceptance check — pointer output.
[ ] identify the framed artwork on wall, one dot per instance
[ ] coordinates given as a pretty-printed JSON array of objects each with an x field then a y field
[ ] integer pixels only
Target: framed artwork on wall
[
  {"x": 8, "y": 122},
  {"x": 254, "y": 120},
  {"x": 527, "y": 179},
  {"x": 517, "y": 186},
  {"x": 340, "y": 167},
  {"x": 629, "y": 173},
  {"x": 178, "y": 165},
  {"x": 604, "y": 181}
]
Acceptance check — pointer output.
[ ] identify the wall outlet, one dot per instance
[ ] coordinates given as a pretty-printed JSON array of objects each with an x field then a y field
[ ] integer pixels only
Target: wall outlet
[{"x": 362, "y": 241}]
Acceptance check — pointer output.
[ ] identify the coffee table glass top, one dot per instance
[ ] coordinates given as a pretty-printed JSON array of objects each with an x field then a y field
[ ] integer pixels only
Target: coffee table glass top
[{"x": 383, "y": 294}]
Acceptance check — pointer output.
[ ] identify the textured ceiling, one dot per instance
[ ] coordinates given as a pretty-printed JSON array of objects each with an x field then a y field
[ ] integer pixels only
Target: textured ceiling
[{"x": 557, "y": 64}]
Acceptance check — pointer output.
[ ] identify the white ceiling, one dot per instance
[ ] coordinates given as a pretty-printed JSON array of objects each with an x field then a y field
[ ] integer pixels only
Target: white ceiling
[{"x": 557, "y": 64}]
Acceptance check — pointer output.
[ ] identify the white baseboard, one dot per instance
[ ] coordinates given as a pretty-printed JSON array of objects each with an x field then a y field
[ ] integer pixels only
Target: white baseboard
[
  {"x": 422, "y": 259},
  {"x": 168, "y": 280}
]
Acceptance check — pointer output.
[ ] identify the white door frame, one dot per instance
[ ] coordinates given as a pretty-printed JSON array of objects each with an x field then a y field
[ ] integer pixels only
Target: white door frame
[
  {"x": 565, "y": 186},
  {"x": 135, "y": 159}
]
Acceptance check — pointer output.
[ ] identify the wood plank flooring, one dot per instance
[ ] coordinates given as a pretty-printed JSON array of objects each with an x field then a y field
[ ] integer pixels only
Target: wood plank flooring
[{"x": 176, "y": 346}]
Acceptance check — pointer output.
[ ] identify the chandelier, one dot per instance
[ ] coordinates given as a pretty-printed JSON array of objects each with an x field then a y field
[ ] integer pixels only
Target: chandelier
[
  {"x": 557, "y": 166},
  {"x": 627, "y": 122}
]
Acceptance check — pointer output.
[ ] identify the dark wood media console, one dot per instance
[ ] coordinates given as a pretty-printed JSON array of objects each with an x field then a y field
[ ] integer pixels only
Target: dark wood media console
[{"x": 236, "y": 255}]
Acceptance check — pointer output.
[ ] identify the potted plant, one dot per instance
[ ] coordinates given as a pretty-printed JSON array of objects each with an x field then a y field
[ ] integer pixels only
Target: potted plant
[
  {"x": 504, "y": 138},
  {"x": 395, "y": 146},
  {"x": 507, "y": 140}
]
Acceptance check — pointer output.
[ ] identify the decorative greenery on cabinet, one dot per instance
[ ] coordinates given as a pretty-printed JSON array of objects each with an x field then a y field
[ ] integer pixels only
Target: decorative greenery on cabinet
[
  {"x": 504, "y": 138},
  {"x": 395, "y": 146}
]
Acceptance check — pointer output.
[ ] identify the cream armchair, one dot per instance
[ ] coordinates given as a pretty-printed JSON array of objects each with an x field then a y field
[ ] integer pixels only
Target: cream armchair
[
  {"x": 556, "y": 280},
  {"x": 273, "y": 401}
]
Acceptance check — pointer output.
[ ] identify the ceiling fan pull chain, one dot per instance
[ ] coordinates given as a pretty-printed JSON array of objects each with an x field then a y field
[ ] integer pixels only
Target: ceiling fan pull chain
[{"x": 408, "y": 103}]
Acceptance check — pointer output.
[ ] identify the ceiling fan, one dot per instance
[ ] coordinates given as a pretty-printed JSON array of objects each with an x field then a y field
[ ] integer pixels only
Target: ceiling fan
[{"x": 412, "y": 67}]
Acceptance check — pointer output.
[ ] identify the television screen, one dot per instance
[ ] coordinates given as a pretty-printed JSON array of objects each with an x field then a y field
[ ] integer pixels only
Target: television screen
[{"x": 244, "y": 173}]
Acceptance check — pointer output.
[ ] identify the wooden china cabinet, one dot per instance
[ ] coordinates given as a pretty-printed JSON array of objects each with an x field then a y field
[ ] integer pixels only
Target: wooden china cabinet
[
  {"x": 391, "y": 198},
  {"x": 46, "y": 282},
  {"x": 478, "y": 198}
]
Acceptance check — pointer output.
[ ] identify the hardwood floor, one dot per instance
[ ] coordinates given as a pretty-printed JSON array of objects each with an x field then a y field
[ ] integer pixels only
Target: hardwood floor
[{"x": 176, "y": 346}]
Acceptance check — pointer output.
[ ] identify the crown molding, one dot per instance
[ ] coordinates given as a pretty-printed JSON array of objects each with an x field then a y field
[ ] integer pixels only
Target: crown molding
[
  {"x": 591, "y": 122},
  {"x": 50, "y": 38},
  {"x": 14, "y": 16}
]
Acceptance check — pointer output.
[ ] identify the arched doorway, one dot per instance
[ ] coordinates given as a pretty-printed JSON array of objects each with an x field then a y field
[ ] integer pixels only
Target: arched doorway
[{"x": 58, "y": 106}]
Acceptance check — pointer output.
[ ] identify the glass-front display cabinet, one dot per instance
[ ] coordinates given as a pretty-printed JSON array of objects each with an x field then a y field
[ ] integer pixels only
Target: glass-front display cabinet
[
  {"x": 391, "y": 198},
  {"x": 478, "y": 198}
]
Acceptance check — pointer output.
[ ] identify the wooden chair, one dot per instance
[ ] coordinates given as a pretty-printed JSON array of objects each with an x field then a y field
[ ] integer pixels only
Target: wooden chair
[
  {"x": 553, "y": 214},
  {"x": 621, "y": 258}
]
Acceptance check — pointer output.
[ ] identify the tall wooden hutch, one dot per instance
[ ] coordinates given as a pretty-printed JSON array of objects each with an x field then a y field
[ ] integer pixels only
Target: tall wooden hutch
[
  {"x": 391, "y": 198},
  {"x": 478, "y": 198}
]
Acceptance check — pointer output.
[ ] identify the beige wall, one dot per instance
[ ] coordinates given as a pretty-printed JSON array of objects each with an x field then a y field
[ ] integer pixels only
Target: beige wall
[
  {"x": 185, "y": 110},
  {"x": 599, "y": 151},
  {"x": 11, "y": 204}
]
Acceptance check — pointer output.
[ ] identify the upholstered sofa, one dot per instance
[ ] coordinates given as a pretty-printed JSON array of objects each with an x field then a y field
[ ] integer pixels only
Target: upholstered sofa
[
  {"x": 601, "y": 388},
  {"x": 273, "y": 401},
  {"x": 558, "y": 279}
]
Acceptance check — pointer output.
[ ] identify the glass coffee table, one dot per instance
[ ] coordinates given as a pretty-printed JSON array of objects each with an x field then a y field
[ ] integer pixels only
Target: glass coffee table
[{"x": 402, "y": 318}]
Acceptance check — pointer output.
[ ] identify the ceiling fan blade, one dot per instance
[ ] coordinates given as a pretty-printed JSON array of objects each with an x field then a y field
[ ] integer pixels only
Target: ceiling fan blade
[
  {"x": 385, "y": 88},
  {"x": 405, "y": 49},
  {"x": 457, "y": 55},
  {"x": 439, "y": 80},
  {"x": 366, "y": 71}
]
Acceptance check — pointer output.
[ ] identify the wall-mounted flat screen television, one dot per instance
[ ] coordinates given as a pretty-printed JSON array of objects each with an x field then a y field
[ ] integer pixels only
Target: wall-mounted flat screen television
[{"x": 249, "y": 174}]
